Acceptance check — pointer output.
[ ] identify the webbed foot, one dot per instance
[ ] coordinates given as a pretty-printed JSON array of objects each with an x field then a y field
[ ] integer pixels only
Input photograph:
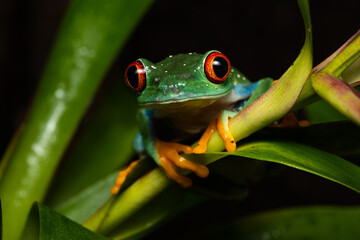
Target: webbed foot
[{"x": 168, "y": 155}]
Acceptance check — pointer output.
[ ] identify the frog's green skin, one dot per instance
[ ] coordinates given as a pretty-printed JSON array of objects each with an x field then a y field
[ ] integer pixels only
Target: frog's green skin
[{"x": 178, "y": 88}]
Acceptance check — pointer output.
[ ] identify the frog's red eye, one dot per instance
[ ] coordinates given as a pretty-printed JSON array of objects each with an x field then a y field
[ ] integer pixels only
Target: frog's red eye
[
  {"x": 217, "y": 67},
  {"x": 135, "y": 76}
]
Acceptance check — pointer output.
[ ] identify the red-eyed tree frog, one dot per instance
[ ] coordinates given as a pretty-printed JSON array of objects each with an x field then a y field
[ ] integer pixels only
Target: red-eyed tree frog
[{"x": 195, "y": 92}]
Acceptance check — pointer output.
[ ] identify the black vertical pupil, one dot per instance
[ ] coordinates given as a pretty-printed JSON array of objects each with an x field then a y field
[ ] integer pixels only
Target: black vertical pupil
[
  {"x": 132, "y": 76},
  {"x": 220, "y": 67}
]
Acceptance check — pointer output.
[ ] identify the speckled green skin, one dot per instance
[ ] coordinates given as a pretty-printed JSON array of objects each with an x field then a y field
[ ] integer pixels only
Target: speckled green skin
[{"x": 181, "y": 78}]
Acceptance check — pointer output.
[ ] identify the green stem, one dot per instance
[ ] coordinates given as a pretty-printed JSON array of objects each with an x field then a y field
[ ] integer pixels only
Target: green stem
[
  {"x": 345, "y": 58},
  {"x": 335, "y": 64}
]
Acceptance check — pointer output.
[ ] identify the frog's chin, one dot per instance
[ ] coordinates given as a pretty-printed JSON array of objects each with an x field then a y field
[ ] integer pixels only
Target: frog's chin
[{"x": 191, "y": 107}]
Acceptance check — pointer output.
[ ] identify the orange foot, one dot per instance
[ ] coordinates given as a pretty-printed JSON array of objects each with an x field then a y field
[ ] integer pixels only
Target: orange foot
[
  {"x": 290, "y": 120},
  {"x": 122, "y": 176},
  {"x": 222, "y": 125},
  {"x": 168, "y": 153}
]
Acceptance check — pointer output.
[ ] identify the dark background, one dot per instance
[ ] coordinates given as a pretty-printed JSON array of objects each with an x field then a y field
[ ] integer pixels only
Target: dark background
[{"x": 261, "y": 38}]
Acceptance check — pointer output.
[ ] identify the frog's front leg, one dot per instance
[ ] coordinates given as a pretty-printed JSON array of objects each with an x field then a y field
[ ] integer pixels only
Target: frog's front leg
[
  {"x": 251, "y": 92},
  {"x": 222, "y": 125},
  {"x": 224, "y": 131},
  {"x": 167, "y": 154}
]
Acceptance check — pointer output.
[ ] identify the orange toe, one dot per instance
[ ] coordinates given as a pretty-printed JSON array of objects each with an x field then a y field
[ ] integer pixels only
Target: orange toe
[
  {"x": 226, "y": 135},
  {"x": 202, "y": 144},
  {"x": 290, "y": 120},
  {"x": 169, "y": 157},
  {"x": 122, "y": 177},
  {"x": 172, "y": 174}
]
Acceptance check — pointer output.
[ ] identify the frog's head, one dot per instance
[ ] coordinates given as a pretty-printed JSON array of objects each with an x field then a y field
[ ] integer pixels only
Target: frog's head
[{"x": 180, "y": 79}]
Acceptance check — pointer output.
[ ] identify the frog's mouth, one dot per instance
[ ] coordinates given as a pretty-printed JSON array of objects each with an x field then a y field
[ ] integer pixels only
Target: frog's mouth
[
  {"x": 176, "y": 106},
  {"x": 181, "y": 101}
]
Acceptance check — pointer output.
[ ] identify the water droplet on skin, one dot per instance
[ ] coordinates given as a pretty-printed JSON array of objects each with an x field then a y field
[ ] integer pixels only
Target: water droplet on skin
[
  {"x": 153, "y": 67},
  {"x": 170, "y": 56},
  {"x": 207, "y": 85},
  {"x": 238, "y": 76},
  {"x": 190, "y": 53},
  {"x": 195, "y": 70},
  {"x": 166, "y": 71},
  {"x": 184, "y": 64}
]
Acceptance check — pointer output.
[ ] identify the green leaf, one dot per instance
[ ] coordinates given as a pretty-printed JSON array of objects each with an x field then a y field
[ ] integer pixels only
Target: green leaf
[
  {"x": 44, "y": 223},
  {"x": 285, "y": 152},
  {"x": 352, "y": 73},
  {"x": 82, "y": 205},
  {"x": 339, "y": 94},
  {"x": 129, "y": 202},
  {"x": 298, "y": 156},
  {"x": 321, "y": 112},
  {"x": 1, "y": 223},
  {"x": 339, "y": 138},
  {"x": 91, "y": 35},
  {"x": 151, "y": 214},
  {"x": 292, "y": 223},
  {"x": 343, "y": 62},
  {"x": 87, "y": 201},
  {"x": 349, "y": 53},
  {"x": 102, "y": 146}
]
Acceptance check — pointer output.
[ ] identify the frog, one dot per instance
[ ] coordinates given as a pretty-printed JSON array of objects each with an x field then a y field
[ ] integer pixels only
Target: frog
[{"x": 195, "y": 93}]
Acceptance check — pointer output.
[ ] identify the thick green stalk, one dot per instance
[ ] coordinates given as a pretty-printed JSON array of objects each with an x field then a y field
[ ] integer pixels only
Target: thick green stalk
[
  {"x": 345, "y": 58},
  {"x": 336, "y": 64},
  {"x": 339, "y": 94},
  {"x": 90, "y": 36}
]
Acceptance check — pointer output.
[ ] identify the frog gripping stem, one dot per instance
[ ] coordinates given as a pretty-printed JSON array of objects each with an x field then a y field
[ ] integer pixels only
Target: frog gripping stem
[
  {"x": 168, "y": 155},
  {"x": 224, "y": 131},
  {"x": 222, "y": 125}
]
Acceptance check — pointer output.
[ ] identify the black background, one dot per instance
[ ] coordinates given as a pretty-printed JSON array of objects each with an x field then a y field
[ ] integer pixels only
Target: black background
[{"x": 261, "y": 38}]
